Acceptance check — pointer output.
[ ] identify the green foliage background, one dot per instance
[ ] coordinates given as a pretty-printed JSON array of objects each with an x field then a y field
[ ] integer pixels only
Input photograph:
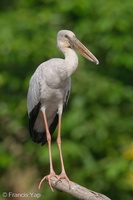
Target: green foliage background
[{"x": 98, "y": 123}]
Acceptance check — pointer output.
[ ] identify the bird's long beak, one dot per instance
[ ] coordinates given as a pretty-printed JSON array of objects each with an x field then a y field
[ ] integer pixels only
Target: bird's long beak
[{"x": 76, "y": 44}]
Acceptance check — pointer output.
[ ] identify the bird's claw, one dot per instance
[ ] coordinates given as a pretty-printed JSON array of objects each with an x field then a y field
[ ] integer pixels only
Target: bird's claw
[
  {"x": 59, "y": 177},
  {"x": 48, "y": 179},
  {"x": 63, "y": 176}
]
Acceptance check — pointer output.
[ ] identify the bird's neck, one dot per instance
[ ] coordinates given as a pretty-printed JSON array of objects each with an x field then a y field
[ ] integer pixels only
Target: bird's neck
[{"x": 71, "y": 61}]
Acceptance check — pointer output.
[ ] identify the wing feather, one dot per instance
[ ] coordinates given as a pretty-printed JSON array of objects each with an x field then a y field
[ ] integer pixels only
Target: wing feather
[
  {"x": 34, "y": 105},
  {"x": 40, "y": 137}
]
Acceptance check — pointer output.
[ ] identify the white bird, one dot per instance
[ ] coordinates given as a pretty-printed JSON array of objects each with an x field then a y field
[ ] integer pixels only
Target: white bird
[{"x": 48, "y": 94}]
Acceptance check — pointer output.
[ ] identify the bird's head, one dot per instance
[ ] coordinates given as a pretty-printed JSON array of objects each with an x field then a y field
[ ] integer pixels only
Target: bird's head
[{"x": 67, "y": 39}]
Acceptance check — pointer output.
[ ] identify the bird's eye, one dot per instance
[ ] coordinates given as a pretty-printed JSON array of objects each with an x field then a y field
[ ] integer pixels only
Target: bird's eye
[{"x": 66, "y": 36}]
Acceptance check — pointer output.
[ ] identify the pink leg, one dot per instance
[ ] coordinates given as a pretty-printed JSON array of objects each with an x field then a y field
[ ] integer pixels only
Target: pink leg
[
  {"x": 63, "y": 173},
  {"x": 52, "y": 173}
]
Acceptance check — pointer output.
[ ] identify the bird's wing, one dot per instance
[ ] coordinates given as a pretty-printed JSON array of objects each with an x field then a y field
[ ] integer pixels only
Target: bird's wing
[
  {"x": 68, "y": 88},
  {"x": 34, "y": 105},
  {"x": 33, "y": 102},
  {"x": 33, "y": 96}
]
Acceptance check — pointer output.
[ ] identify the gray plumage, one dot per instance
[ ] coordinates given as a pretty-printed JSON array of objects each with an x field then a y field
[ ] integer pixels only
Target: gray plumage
[
  {"x": 49, "y": 86},
  {"x": 50, "y": 90}
]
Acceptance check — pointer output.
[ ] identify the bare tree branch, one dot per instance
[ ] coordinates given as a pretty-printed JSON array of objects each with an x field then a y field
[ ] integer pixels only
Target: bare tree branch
[{"x": 76, "y": 190}]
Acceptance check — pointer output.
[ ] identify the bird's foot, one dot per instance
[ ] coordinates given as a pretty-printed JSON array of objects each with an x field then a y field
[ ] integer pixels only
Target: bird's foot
[
  {"x": 48, "y": 179},
  {"x": 64, "y": 176}
]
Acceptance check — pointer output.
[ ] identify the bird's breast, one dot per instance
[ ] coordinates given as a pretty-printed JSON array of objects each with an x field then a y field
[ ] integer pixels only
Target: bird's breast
[{"x": 52, "y": 96}]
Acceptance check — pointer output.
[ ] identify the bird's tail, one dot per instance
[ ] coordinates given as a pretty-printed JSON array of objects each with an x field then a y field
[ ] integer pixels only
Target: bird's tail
[{"x": 40, "y": 137}]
